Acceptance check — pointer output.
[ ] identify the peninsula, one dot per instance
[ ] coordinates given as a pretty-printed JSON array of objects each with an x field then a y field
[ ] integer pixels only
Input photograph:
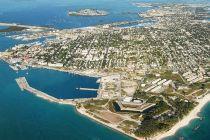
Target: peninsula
[{"x": 153, "y": 79}]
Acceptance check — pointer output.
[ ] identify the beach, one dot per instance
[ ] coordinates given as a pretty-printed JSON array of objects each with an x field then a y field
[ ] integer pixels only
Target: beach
[
  {"x": 182, "y": 123},
  {"x": 109, "y": 125},
  {"x": 187, "y": 119},
  {"x": 135, "y": 49}
]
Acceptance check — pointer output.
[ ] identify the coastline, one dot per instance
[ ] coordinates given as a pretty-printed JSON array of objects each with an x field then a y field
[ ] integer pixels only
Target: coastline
[
  {"x": 109, "y": 125},
  {"x": 85, "y": 73},
  {"x": 65, "y": 31},
  {"x": 74, "y": 102},
  {"x": 187, "y": 119},
  {"x": 182, "y": 123},
  {"x": 24, "y": 26}
]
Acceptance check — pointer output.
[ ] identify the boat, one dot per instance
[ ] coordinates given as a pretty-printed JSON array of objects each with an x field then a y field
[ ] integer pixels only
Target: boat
[{"x": 196, "y": 128}]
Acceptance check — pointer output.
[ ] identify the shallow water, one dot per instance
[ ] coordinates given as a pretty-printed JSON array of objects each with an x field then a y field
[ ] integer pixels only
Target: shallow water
[
  {"x": 24, "y": 116},
  {"x": 197, "y": 129}
]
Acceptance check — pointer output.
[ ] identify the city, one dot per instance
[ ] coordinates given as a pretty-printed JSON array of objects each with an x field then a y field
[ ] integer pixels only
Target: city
[{"x": 150, "y": 77}]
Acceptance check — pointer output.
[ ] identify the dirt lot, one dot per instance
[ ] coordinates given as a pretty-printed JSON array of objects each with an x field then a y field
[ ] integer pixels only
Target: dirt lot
[{"x": 111, "y": 117}]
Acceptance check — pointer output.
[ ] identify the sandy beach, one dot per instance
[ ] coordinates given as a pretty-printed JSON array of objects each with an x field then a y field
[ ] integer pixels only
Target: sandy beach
[
  {"x": 187, "y": 119},
  {"x": 184, "y": 122}
]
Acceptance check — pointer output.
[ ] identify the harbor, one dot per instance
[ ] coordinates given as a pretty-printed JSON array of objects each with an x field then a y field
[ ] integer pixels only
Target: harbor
[
  {"x": 150, "y": 61},
  {"x": 32, "y": 115}
]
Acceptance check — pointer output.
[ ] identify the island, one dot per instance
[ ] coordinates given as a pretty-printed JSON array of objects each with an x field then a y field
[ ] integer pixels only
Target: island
[
  {"x": 146, "y": 5},
  {"x": 153, "y": 80},
  {"x": 88, "y": 12}
]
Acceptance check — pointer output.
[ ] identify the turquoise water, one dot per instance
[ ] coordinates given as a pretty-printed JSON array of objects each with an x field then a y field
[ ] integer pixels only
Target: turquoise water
[
  {"x": 197, "y": 129},
  {"x": 24, "y": 116}
]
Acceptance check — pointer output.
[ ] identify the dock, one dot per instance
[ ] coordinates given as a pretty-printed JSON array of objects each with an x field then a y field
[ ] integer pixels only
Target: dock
[
  {"x": 88, "y": 89},
  {"x": 14, "y": 68},
  {"x": 23, "y": 84}
]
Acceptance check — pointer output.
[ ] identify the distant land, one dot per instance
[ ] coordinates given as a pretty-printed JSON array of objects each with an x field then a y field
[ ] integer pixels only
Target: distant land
[
  {"x": 88, "y": 12},
  {"x": 153, "y": 79},
  {"x": 12, "y": 29}
]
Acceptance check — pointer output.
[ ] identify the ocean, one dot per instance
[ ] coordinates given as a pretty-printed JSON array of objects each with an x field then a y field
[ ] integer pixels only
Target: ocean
[
  {"x": 198, "y": 129},
  {"x": 24, "y": 116},
  {"x": 55, "y": 13}
]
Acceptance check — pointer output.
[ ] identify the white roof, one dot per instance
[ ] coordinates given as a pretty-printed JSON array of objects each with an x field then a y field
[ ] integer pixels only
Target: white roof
[
  {"x": 127, "y": 99},
  {"x": 155, "y": 81}
]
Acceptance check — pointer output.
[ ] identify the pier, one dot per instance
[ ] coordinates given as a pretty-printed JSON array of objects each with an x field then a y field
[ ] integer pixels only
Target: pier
[
  {"x": 88, "y": 89},
  {"x": 23, "y": 84}
]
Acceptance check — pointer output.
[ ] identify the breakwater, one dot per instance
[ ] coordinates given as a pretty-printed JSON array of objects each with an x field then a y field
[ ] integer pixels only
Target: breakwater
[{"x": 23, "y": 84}]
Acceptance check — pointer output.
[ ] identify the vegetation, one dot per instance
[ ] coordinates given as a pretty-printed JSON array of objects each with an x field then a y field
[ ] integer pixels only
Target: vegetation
[
  {"x": 128, "y": 126},
  {"x": 94, "y": 104},
  {"x": 140, "y": 94},
  {"x": 160, "y": 107},
  {"x": 170, "y": 76},
  {"x": 151, "y": 125}
]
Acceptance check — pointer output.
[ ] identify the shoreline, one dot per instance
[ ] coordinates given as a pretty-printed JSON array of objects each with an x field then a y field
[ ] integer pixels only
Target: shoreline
[
  {"x": 73, "y": 103},
  {"x": 187, "y": 119},
  {"x": 108, "y": 125},
  {"x": 22, "y": 25},
  {"x": 193, "y": 114},
  {"x": 88, "y": 74},
  {"x": 88, "y": 12}
]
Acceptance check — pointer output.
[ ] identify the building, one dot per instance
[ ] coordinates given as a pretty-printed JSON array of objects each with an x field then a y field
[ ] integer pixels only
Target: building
[{"x": 134, "y": 105}]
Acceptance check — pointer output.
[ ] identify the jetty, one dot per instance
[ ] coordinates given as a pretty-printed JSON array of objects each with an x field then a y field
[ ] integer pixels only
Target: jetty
[{"x": 23, "y": 84}]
